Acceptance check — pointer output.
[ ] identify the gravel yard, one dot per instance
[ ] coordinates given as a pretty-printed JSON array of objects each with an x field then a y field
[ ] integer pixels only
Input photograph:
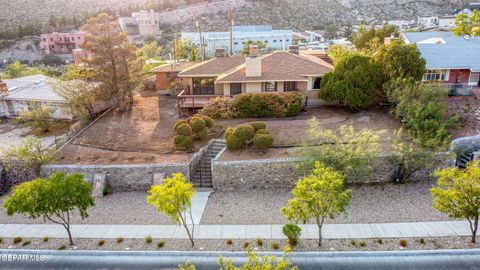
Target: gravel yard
[
  {"x": 238, "y": 245},
  {"x": 369, "y": 204},
  {"x": 117, "y": 208}
]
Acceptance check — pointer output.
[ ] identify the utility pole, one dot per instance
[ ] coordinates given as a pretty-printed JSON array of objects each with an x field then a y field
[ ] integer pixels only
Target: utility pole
[
  {"x": 176, "y": 46},
  {"x": 230, "y": 22},
  {"x": 201, "y": 40}
]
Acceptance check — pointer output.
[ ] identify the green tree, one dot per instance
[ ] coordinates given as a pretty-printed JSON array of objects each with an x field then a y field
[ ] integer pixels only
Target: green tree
[
  {"x": 262, "y": 46},
  {"x": 15, "y": 70},
  {"x": 349, "y": 151},
  {"x": 318, "y": 196},
  {"x": 30, "y": 155},
  {"x": 77, "y": 72},
  {"x": 354, "y": 82},
  {"x": 54, "y": 199},
  {"x": 467, "y": 25},
  {"x": 80, "y": 97},
  {"x": 458, "y": 194},
  {"x": 174, "y": 198},
  {"x": 400, "y": 61},
  {"x": 39, "y": 118},
  {"x": 370, "y": 39},
  {"x": 151, "y": 50}
]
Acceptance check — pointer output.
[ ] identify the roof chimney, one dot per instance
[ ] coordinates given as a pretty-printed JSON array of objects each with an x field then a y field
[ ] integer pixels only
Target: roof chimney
[
  {"x": 295, "y": 49},
  {"x": 3, "y": 87},
  {"x": 219, "y": 52},
  {"x": 253, "y": 63}
]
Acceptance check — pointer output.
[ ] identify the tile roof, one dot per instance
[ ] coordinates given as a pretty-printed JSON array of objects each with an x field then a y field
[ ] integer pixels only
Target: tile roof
[
  {"x": 281, "y": 66},
  {"x": 443, "y": 50},
  {"x": 213, "y": 67},
  {"x": 31, "y": 88},
  {"x": 176, "y": 67}
]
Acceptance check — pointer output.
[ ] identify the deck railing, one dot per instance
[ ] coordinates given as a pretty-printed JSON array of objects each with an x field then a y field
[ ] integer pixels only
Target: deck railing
[{"x": 192, "y": 101}]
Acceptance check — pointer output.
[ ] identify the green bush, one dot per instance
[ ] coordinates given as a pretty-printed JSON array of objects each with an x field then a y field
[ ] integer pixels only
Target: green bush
[
  {"x": 229, "y": 132},
  {"x": 235, "y": 143},
  {"x": 263, "y": 131},
  {"x": 244, "y": 132},
  {"x": 268, "y": 104},
  {"x": 202, "y": 134},
  {"x": 183, "y": 142},
  {"x": 160, "y": 244},
  {"x": 262, "y": 140},
  {"x": 148, "y": 239},
  {"x": 184, "y": 129},
  {"x": 178, "y": 123},
  {"x": 197, "y": 124},
  {"x": 258, "y": 125},
  {"x": 292, "y": 231},
  {"x": 208, "y": 121},
  {"x": 219, "y": 107}
]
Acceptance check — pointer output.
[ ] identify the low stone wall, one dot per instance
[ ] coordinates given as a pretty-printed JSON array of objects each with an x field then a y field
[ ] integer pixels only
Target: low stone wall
[
  {"x": 465, "y": 144},
  {"x": 134, "y": 177},
  {"x": 281, "y": 172},
  {"x": 12, "y": 177}
]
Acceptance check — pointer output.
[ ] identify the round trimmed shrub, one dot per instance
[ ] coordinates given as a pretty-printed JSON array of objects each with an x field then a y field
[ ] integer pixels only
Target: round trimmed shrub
[
  {"x": 202, "y": 134},
  {"x": 258, "y": 125},
  {"x": 262, "y": 140},
  {"x": 235, "y": 143},
  {"x": 183, "y": 142},
  {"x": 229, "y": 132},
  {"x": 197, "y": 124},
  {"x": 184, "y": 129},
  {"x": 208, "y": 121},
  {"x": 244, "y": 132},
  {"x": 178, "y": 123},
  {"x": 263, "y": 131}
]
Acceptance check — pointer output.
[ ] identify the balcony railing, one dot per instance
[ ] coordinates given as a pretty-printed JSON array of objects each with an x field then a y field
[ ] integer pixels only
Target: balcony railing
[{"x": 185, "y": 102}]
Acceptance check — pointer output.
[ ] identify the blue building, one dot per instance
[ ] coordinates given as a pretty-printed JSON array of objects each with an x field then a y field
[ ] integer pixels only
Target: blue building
[{"x": 275, "y": 39}]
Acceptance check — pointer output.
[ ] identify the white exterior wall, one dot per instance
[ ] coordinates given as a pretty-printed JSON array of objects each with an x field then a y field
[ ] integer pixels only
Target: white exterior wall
[
  {"x": 253, "y": 87},
  {"x": 446, "y": 23},
  {"x": 19, "y": 105}
]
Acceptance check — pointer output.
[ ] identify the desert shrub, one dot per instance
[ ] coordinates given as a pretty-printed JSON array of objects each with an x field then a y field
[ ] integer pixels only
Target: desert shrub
[
  {"x": 244, "y": 132},
  {"x": 26, "y": 243},
  {"x": 353, "y": 242},
  {"x": 403, "y": 243},
  {"x": 262, "y": 140},
  {"x": 208, "y": 121},
  {"x": 362, "y": 244},
  {"x": 275, "y": 246},
  {"x": 235, "y": 143},
  {"x": 220, "y": 107},
  {"x": 229, "y": 242},
  {"x": 197, "y": 124},
  {"x": 178, "y": 123},
  {"x": 119, "y": 240},
  {"x": 259, "y": 242},
  {"x": 1, "y": 240},
  {"x": 292, "y": 231},
  {"x": 421, "y": 241},
  {"x": 183, "y": 142},
  {"x": 148, "y": 239},
  {"x": 229, "y": 132},
  {"x": 160, "y": 244},
  {"x": 246, "y": 245},
  {"x": 258, "y": 125},
  {"x": 379, "y": 241},
  {"x": 45, "y": 239},
  {"x": 184, "y": 129},
  {"x": 268, "y": 104},
  {"x": 62, "y": 247},
  {"x": 17, "y": 240},
  {"x": 293, "y": 242},
  {"x": 202, "y": 134},
  {"x": 262, "y": 131},
  {"x": 101, "y": 243}
]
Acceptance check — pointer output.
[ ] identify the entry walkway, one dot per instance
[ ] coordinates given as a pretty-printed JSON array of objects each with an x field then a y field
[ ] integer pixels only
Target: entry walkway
[{"x": 309, "y": 231}]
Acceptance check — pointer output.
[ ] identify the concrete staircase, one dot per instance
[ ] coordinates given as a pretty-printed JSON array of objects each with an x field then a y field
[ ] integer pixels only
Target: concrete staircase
[
  {"x": 202, "y": 174},
  {"x": 464, "y": 158}
]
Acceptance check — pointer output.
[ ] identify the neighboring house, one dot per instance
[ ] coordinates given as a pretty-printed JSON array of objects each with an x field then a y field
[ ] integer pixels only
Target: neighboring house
[
  {"x": 166, "y": 74},
  {"x": 129, "y": 25},
  {"x": 275, "y": 39},
  {"x": 27, "y": 93},
  {"x": 401, "y": 24},
  {"x": 281, "y": 71},
  {"x": 427, "y": 22},
  {"x": 61, "y": 43},
  {"x": 446, "y": 22},
  {"x": 454, "y": 61},
  {"x": 307, "y": 37},
  {"x": 143, "y": 23},
  {"x": 80, "y": 55}
]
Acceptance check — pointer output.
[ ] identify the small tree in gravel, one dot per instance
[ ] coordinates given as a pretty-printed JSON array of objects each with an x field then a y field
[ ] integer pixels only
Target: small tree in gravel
[
  {"x": 458, "y": 194},
  {"x": 30, "y": 155},
  {"x": 53, "y": 199},
  {"x": 174, "y": 199},
  {"x": 318, "y": 196}
]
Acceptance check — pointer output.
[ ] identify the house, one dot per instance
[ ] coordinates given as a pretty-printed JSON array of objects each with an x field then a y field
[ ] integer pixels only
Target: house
[
  {"x": 454, "y": 61},
  {"x": 427, "y": 22},
  {"x": 28, "y": 93},
  {"x": 80, "y": 55},
  {"x": 446, "y": 22},
  {"x": 61, "y": 43},
  {"x": 280, "y": 71},
  {"x": 401, "y": 24},
  {"x": 307, "y": 37},
  {"x": 167, "y": 74},
  {"x": 147, "y": 22},
  {"x": 274, "y": 39}
]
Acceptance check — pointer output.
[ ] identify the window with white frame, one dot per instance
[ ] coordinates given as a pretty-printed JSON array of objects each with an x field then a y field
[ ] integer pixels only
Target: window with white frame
[
  {"x": 270, "y": 87},
  {"x": 435, "y": 75},
  {"x": 474, "y": 78}
]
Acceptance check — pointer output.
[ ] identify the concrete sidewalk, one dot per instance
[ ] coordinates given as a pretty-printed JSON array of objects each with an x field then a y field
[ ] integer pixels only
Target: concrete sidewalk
[{"x": 309, "y": 231}]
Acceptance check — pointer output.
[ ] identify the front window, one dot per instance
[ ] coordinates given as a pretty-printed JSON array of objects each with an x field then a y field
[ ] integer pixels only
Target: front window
[
  {"x": 290, "y": 86},
  {"x": 435, "y": 75},
  {"x": 203, "y": 86},
  {"x": 270, "y": 87},
  {"x": 168, "y": 75},
  {"x": 474, "y": 77},
  {"x": 316, "y": 83}
]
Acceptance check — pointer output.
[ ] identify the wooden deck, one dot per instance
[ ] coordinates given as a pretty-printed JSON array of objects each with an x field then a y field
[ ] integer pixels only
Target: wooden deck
[{"x": 185, "y": 103}]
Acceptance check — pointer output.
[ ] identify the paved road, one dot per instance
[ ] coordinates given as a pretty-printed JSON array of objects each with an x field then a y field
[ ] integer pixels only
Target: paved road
[{"x": 425, "y": 260}]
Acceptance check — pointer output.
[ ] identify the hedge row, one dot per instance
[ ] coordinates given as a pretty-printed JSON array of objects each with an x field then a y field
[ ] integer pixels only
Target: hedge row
[{"x": 255, "y": 133}]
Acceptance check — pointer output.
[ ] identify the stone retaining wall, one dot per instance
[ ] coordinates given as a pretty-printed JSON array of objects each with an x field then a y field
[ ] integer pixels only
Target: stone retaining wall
[
  {"x": 12, "y": 177},
  {"x": 281, "y": 172},
  {"x": 135, "y": 177}
]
